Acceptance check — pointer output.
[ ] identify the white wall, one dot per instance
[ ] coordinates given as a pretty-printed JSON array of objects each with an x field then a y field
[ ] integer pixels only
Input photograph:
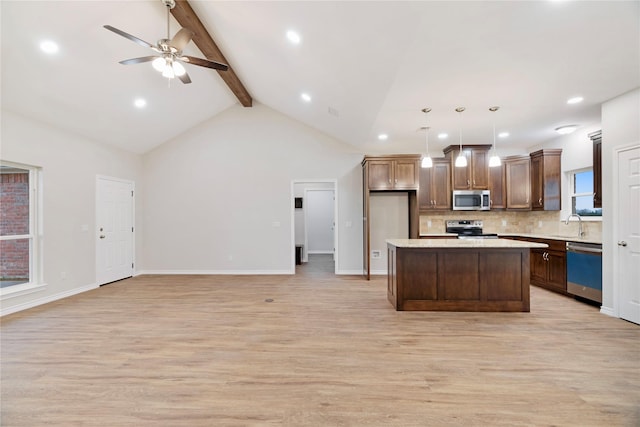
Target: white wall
[
  {"x": 69, "y": 167},
  {"x": 620, "y": 128},
  {"x": 389, "y": 218},
  {"x": 219, "y": 196}
]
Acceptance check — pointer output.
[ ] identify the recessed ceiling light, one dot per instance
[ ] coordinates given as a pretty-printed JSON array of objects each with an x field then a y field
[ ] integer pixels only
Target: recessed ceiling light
[
  {"x": 293, "y": 37},
  {"x": 49, "y": 47},
  {"x": 564, "y": 130},
  {"x": 575, "y": 100},
  {"x": 443, "y": 135},
  {"x": 503, "y": 134},
  {"x": 140, "y": 103},
  {"x": 305, "y": 97},
  {"x": 383, "y": 137}
]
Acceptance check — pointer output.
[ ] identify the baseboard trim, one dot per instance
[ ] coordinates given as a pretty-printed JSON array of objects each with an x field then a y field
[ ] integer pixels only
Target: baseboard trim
[
  {"x": 350, "y": 272},
  {"x": 378, "y": 272},
  {"x": 216, "y": 272},
  {"x": 44, "y": 300},
  {"x": 607, "y": 310}
]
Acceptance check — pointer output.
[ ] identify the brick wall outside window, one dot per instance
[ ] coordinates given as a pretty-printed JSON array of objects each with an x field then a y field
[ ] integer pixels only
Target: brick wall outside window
[{"x": 14, "y": 220}]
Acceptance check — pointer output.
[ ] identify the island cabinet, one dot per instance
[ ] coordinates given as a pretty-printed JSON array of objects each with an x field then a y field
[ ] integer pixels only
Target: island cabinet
[
  {"x": 517, "y": 171},
  {"x": 545, "y": 180},
  {"x": 475, "y": 176},
  {"x": 397, "y": 172},
  {"x": 458, "y": 275},
  {"x": 497, "y": 187},
  {"x": 434, "y": 192},
  {"x": 596, "y": 138}
]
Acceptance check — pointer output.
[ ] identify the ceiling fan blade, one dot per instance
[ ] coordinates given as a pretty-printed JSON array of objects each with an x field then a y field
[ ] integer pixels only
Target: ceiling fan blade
[
  {"x": 205, "y": 63},
  {"x": 184, "y": 78},
  {"x": 138, "y": 60},
  {"x": 181, "y": 39},
  {"x": 129, "y": 36}
]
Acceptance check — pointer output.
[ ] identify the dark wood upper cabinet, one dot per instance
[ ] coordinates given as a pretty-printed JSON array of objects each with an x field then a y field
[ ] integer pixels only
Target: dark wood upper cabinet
[
  {"x": 435, "y": 186},
  {"x": 546, "y": 191},
  {"x": 517, "y": 171},
  {"x": 397, "y": 172},
  {"x": 475, "y": 176},
  {"x": 497, "y": 187},
  {"x": 596, "y": 138}
]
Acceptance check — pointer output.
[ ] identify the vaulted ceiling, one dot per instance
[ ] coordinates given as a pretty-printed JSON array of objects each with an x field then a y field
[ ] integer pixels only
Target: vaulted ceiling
[{"x": 370, "y": 67}]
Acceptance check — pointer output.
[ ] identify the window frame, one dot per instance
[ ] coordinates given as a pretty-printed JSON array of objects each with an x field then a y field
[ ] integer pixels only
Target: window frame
[
  {"x": 35, "y": 282},
  {"x": 572, "y": 194}
]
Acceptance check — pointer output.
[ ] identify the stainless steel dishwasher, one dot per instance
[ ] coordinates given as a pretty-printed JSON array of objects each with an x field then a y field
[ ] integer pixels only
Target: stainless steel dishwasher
[{"x": 584, "y": 270}]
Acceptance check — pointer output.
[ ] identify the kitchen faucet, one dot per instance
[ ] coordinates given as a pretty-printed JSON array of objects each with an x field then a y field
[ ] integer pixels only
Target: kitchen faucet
[{"x": 580, "y": 232}]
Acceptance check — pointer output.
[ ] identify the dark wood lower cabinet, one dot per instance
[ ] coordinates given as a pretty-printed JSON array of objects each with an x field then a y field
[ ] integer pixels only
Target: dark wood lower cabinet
[
  {"x": 458, "y": 279},
  {"x": 549, "y": 265}
]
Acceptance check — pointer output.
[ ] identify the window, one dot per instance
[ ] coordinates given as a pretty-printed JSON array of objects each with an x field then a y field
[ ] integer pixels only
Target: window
[
  {"x": 18, "y": 226},
  {"x": 581, "y": 191}
]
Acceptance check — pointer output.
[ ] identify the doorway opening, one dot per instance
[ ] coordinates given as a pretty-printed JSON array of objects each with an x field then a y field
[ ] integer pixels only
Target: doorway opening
[{"x": 315, "y": 235}]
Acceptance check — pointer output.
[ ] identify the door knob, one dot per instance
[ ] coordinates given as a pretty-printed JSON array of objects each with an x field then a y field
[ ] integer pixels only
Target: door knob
[
  {"x": 622, "y": 243},
  {"x": 102, "y": 236}
]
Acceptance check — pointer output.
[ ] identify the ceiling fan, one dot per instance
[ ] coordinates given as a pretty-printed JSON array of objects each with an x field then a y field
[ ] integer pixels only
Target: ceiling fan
[{"x": 168, "y": 62}]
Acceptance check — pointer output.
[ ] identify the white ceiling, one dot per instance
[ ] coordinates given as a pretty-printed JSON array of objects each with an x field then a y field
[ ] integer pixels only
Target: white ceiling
[{"x": 375, "y": 64}]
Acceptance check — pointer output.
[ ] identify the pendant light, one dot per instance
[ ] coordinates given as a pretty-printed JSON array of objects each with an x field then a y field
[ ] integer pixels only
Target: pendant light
[
  {"x": 461, "y": 160},
  {"x": 494, "y": 160},
  {"x": 426, "y": 160}
]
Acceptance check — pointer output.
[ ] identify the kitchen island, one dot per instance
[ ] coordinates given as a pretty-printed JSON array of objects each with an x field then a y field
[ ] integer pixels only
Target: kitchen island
[{"x": 459, "y": 274}]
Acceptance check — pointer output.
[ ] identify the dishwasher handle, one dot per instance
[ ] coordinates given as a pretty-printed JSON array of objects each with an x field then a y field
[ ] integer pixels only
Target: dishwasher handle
[{"x": 580, "y": 247}]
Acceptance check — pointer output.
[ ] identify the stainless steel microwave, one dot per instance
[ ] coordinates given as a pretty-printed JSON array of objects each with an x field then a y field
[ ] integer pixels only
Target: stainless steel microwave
[{"x": 471, "y": 200}]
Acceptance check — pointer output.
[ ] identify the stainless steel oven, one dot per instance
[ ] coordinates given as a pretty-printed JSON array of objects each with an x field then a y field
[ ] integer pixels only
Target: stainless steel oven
[{"x": 584, "y": 270}]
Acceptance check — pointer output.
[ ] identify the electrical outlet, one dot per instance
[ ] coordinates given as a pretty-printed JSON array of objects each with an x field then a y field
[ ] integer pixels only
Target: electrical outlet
[
  {"x": 539, "y": 224},
  {"x": 504, "y": 222},
  {"x": 429, "y": 223}
]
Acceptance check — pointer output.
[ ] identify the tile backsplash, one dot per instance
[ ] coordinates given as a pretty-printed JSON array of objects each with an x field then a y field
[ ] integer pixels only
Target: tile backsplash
[{"x": 531, "y": 222}]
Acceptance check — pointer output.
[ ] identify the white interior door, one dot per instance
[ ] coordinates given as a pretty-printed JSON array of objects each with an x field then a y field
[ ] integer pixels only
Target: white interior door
[
  {"x": 114, "y": 226},
  {"x": 628, "y": 259},
  {"x": 319, "y": 221}
]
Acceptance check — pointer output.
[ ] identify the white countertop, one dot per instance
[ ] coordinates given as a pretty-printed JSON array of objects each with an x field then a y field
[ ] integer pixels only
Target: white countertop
[
  {"x": 427, "y": 235},
  {"x": 555, "y": 237},
  {"x": 463, "y": 243}
]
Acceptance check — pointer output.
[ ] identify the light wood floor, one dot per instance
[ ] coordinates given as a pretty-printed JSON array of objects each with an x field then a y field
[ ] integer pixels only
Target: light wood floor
[{"x": 327, "y": 351}]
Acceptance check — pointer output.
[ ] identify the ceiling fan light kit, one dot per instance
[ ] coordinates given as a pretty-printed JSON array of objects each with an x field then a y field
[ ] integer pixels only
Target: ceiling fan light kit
[{"x": 169, "y": 61}]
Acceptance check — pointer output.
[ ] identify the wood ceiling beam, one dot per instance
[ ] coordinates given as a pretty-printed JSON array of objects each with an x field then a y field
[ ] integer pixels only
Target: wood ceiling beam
[{"x": 187, "y": 18}]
